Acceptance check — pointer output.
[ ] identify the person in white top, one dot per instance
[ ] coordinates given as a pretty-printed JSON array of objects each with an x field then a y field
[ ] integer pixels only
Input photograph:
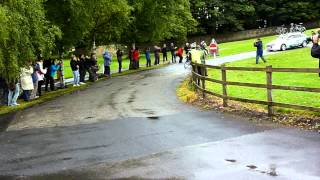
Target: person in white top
[
  {"x": 40, "y": 73},
  {"x": 26, "y": 81}
]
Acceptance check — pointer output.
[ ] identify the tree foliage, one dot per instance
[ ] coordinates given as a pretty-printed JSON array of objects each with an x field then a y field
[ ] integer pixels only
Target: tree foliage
[
  {"x": 234, "y": 15},
  {"x": 82, "y": 21},
  {"x": 24, "y": 34},
  {"x": 157, "y": 20}
]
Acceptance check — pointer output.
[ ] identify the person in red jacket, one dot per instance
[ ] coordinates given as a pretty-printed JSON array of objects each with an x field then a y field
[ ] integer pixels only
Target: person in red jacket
[
  {"x": 136, "y": 58},
  {"x": 180, "y": 54}
]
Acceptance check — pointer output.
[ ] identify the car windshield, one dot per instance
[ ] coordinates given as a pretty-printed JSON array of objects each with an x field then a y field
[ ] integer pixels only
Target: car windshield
[{"x": 283, "y": 37}]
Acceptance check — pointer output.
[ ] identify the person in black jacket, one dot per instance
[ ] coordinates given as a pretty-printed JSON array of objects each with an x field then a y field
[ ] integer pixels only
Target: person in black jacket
[
  {"x": 82, "y": 69},
  {"x": 5, "y": 90},
  {"x": 119, "y": 57},
  {"x": 258, "y": 44},
  {"x": 47, "y": 64},
  {"x": 164, "y": 53},
  {"x": 74, "y": 64},
  {"x": 173, "y": 53}
]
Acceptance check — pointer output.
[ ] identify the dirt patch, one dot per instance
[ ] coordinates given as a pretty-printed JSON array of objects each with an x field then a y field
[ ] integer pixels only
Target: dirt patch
[{"x": 257, "y": 113}]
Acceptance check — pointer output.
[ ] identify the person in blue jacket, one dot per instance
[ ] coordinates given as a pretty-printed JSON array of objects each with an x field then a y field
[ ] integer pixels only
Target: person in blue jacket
[
  {"x": 148, "y": 57},
  {"x": 107, "y": 62},
  {"x": 259, "y": 45},
  {"x": 53, "y": 71}
]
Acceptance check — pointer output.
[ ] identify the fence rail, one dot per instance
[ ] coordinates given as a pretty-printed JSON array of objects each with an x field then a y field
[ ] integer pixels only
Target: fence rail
[{"x": 198, "y": 75}]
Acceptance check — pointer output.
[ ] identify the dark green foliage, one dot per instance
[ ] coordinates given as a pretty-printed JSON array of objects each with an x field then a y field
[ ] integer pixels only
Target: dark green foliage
[
  {"x": 157, "y": 20},
  {"x": 234, "y": 15},
  {"x": 24, "y": 34}
]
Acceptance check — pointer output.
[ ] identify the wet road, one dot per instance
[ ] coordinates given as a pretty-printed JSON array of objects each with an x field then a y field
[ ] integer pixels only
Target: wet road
[{"x": 135, "y": 127}]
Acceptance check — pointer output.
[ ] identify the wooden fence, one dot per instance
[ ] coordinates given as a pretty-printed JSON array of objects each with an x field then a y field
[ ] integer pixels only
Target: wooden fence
[{"x": 199, "y": 80}]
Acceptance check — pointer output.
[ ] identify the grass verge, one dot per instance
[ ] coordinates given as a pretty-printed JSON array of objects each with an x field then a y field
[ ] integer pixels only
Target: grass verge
[
  {"x": 254, "y": 113},
  {"x": 299, "y": 58}
]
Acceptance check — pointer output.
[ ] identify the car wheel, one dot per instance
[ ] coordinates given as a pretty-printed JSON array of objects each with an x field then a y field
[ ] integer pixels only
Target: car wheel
[
  {"x": 283, "y": 47},
  {"x": 304, "y": 44}
]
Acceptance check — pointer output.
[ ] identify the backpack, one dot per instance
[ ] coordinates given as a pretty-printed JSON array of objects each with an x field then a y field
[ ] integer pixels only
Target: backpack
[{"x": 315, "y": 51}]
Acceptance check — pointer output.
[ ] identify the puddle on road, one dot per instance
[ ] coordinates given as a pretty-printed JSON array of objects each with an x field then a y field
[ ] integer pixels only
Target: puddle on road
[
  {"x": 67, "y": 158},
  {"x": 153, "y": 118},
  {"x": 90, "y": 117},
  {"x": 231, "y": 160},
  {"x": 273, "y": 170},
  {"x": 252, "y": 166}
]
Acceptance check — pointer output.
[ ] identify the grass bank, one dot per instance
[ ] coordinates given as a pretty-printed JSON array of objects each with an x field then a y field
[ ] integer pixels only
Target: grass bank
[
  {"x": 299, "y": 58},
  {"x": 254, "y": 113}
]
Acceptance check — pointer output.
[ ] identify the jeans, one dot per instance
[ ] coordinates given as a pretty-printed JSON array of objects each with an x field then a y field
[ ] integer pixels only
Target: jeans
[
  {"x": 120, "y": 64},
  {"x": 76, "y": 77},
  {"x": 40, "y": 83},
  {"x": 34, "y": 91},
  {"x": 148, "y": 62},
  {"x": 173, "y": 54},
  {"x": 13, "y": 96},
  {"x": 156, "y": 60},
  {"x": 82, "y": 73},
  {"x": 49, "y": 80},
  {"x": 107, "y": 71},
  {"x": 259, "y": 55},
  {"x": 26, "y": 95},
  {"x": 165, "y": 57}
]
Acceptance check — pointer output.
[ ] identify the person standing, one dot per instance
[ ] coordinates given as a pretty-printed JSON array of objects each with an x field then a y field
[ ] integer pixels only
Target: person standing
[
  {"x": 259, "y": 45},
  {"x": 74, "y": 64},
  {"x": 53, "y": 72},
  {"x": 107, "y": 62},
  {"x": 33, "y": 94},
  {"x": 148, "y": 57},
  {"x": 119, "y": 58},
  {"x": 40, "y": 73},
  {"x": 94, "y": 68},
  {"x": 173, "y": 53},
  {"x": 156, "y": 55},
  {"x": 82, "y": 69},
  {"x": 26, "y": 82},
  {"x": 130, "y": 56},
  {"x": 315, "y": 50},
  {"x": 180, "y": 54},
  {"x": 14, "y": 90},
  {"x": 47, "y": 65},
  {"x": 5, "y": 90},
  {"x": 136, "y": 58},
  {"x": 164, "y": 53}
]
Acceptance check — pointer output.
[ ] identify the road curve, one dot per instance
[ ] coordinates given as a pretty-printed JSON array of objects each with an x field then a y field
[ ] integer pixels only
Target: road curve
[{"x": 135, "y": 127}]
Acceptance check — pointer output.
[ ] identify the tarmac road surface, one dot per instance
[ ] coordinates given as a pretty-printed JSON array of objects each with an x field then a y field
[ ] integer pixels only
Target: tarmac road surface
[{"x": 134, "y": 127}]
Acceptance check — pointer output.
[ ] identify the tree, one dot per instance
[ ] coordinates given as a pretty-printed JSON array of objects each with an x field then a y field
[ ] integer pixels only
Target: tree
[
  {"x": 24, "y": 35},
  {"x": 235, "y": 15},
  {"x": 83, "y": 21},
  {"x": 158, "y": 20},
  {"x": 223, "y": 15},
  {"x": 286, "y": 11}
]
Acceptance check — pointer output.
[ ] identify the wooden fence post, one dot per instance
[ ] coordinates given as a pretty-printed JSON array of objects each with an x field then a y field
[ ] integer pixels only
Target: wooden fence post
[
  {"x": 193, "y": 67},
  {"x": 224, "y": 85},
  {"x": 269, "y": 90},
  {"x": 203, "y": 70}
]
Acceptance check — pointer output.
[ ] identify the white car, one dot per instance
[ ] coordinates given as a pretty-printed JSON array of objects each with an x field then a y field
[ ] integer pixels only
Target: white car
[{"x": 286, "y": 41}]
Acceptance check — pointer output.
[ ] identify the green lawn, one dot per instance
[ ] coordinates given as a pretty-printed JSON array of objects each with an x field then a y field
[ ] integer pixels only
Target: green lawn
[
  {"x": 299, "y": 58},
  {"x": 236, "y": 47}
]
